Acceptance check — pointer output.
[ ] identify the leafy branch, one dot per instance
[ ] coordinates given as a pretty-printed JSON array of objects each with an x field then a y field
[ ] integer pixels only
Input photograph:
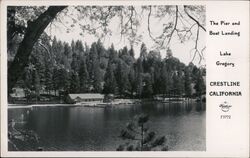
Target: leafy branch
[{"x": 139, "y": 137}]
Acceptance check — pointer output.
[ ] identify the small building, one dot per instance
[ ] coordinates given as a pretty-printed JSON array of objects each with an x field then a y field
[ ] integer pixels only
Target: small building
[
  {"x": 85, "y": 97},
  {"x": 108, "y": 98},
  {"x": 17, "y": 93}
]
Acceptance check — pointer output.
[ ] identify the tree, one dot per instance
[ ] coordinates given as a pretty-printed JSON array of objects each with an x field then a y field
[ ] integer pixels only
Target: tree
[
  {"x": 27, "y": 80},
  {"x": 100, "y": 49},
  {"x": 57, "y": 49},
  {"x": 148, "y": 87},
  {"x": 112, "y": 54},
  {"x": 36, "y": 83},
  {"x": 63, "y": 79},
  {"x": 33, "y": 31},
  {"x": 139, "y": 77},
  {"x": 166, "y": 80},
  {"x": 132, "y": 52},
  {"x": 99, "y": 17},
  {"x": 17, "y": 135},
  {"x": 55, "y": 80},
  {"x": 48, "y": 78},
  {"x": 122, "y": 78},
  {"x": 97, "y": 78},
  {"x": 139, "y": 137},
  {"x": 92, "y": 60},
  {"x": 144, "y": 57},
  {"x": 199, "y": 84},
  {"x": 109, "y": 81},
  {"x": 187, "y": 83},
  {"x": 67, "y": 58},
  {"x": 132, "y": 81},
  {"x": 83, "y": 77},
  {"x": 74, "y": 83}
]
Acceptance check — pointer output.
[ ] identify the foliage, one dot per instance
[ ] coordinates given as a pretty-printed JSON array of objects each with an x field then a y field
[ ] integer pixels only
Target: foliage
[
  {"x": 74, "y": 68},
  {"x": 139, "y": 137},
  {"x": 27, "y": 23},
  {"x": 20, "y": 136}
]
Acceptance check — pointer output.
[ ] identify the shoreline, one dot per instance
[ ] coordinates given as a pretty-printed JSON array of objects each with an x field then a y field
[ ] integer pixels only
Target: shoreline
[
  {"x": 16, "y": 106},
  {"x": 92, "y": 104}
]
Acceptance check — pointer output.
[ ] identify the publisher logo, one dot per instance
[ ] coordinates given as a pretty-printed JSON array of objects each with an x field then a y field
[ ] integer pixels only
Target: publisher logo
[{"x": 225, "y": 107}]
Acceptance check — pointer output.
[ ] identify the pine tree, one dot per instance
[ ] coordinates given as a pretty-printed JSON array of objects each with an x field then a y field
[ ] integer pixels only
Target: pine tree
[
  {"x": 148, "y": 88},
  {"x": 73, "y": 46},
  {"x": 67, "y": 58},
  {"x": 48, "y": 78},
  {"x": 112, "y": 54},
  {"x": 71, "y": 68},
  {"x": 143, "y": 57},
  {"x": 97, "y": 78},
  {"x": 55, "y": 80},
  {"x": 63, "y": 81},
  {"x": 187, "y": 83},
  {"x": 139, "y": 137},
  {"x": 132, "y": 81},
  {"x": 132, "y": 52},
  {"x": 75, "y": 63},
  {"x": 177, "y": 84},
  {"x": 122, "y": 78},
  {"x": 199, "y": 84},
  {"x": 74, "y": 83},
  {"x": 166, "y": 80},
  {"x": 27, "y": 82},
  {"x": 100, "y": 49},
  {"x": 83, "y": 77},
  {"x": 37, "y": 85},
  {"x": 139, "y": 77},
  {"x": 109, "y": 81},
  {"x": 143, "y": 52},
  {"x": 92, "y": 61}
]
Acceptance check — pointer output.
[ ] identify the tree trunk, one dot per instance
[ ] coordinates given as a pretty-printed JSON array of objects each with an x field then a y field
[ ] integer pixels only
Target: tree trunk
[
  {"x": 142, "y": 139},
  {"x": 33, "y": 32}
]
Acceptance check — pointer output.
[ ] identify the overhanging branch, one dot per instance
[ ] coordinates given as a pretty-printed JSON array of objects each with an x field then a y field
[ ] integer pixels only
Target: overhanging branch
[{"x": 191, "y": 17}]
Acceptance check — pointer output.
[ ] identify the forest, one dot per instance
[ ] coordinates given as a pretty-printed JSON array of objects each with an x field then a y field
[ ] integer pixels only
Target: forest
[{"x": 58, "y": 68}]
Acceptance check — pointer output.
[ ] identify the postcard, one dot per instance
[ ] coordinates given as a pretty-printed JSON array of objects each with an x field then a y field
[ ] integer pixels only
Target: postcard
[{"x": 124, "y": 78}]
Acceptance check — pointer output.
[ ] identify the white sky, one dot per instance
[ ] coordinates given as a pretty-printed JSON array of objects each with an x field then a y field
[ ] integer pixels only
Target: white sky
[{"x": 180, "y": 50}]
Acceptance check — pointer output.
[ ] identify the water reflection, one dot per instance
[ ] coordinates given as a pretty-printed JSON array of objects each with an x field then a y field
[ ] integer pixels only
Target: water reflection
[{"x": 82, "y": 128}]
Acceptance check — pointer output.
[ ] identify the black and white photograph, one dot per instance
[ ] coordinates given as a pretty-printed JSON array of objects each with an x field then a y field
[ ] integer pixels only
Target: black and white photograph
[{"x": 106, "y": 77}]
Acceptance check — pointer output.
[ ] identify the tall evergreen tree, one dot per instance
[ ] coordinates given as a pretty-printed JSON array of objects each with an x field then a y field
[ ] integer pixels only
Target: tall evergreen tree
[
  {"x": 199, "y": 84},
  {"x": 139, "y": 77},
  {"x": 167, "y": 80},
  {"x": 48, "y": 78},
  {"x": 55, "y": 80},
  {"x": 132, "y": 52},
  {"x": 187, "y": 83},
  {"x": 67, "y": 58},
  {"x": 97, "y": 78},
  {"x": 112, "y": 54},
  {"x": 148, "y": 87},
  {"x": 37, "y": 84},
  {"x": 109, "y": 81},
  {"x": 122, "y": 78},
  {"x": 75, "y": 63},
  {"x": 92, "y": 61},
  {"x": 74, "y": 83},
  {"x": 83, "y": 77},
  {"x": 132, "y": 81},
  {"x": 143, "y": 57}
]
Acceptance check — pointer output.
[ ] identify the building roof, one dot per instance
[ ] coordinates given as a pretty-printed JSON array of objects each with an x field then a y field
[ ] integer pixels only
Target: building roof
[
  {"x": 18, "y": 93},
  {"x": 87, "y": 96}
]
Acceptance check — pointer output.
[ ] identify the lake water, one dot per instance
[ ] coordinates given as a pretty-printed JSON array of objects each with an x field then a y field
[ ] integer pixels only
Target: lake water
[{"x": 97, "y": 129}]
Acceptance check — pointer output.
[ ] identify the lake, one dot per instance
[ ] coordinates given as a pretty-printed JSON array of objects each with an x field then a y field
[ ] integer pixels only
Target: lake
[{"x": 97, "y": 129}]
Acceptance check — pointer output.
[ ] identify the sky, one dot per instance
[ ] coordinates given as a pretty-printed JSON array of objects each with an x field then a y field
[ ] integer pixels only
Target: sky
[{"x": 183, "y": 51}]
